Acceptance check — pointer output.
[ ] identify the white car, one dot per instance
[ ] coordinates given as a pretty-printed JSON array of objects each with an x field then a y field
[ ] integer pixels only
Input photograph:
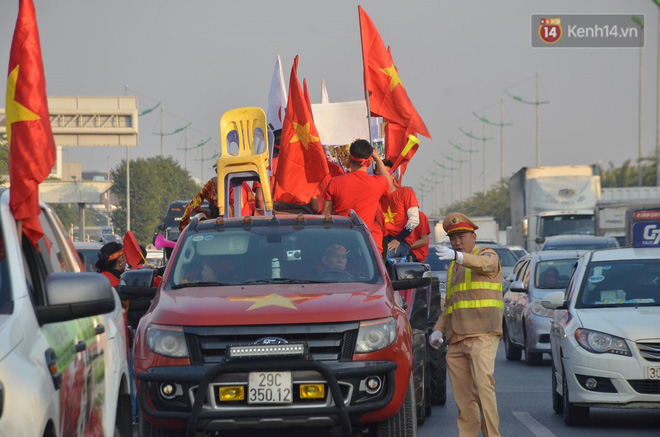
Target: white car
[
  {"x": 604, "y": 336},
  {"x": 63, "y": 353}
]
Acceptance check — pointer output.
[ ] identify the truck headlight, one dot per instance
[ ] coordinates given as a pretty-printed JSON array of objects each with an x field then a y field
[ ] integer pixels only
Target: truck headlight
[
  {"x": 168, "y": 341},
  {"x": 375, "y": 335},
  {"x": 540, "y": 310},
  {"x": 601, "y": 343}
]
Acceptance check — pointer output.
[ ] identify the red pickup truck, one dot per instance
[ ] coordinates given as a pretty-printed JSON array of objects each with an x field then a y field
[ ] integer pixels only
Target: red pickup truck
[{"x": 251, "y": 329}]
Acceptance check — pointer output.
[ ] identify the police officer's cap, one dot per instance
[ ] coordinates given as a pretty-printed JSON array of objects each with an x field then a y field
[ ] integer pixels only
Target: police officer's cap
[{"x": 456, "y": 223}]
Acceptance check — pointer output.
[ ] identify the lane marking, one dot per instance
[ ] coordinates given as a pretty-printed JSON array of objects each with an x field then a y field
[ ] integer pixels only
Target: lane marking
[{"x": 534, "y": 425}]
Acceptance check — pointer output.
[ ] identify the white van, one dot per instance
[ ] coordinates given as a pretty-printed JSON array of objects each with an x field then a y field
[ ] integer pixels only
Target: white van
[{"x": 63, "y": 350}]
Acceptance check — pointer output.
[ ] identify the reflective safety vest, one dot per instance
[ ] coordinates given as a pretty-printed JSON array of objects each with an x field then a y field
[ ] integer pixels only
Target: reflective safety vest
[{"x": 474, "y": 305}]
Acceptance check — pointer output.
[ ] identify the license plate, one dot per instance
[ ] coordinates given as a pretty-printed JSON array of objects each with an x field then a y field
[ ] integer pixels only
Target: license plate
[
  {"x": 270, "y": 388},
  {"x": 653, "y": 372}
]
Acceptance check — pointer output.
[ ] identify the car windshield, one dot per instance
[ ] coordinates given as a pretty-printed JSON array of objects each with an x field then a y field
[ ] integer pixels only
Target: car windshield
[
  {"x": 507, "y": 258},
  {"x": 621, "y": 283},
  {"x": 554, "y": 274},
  {"x": 273, "y": 255}
]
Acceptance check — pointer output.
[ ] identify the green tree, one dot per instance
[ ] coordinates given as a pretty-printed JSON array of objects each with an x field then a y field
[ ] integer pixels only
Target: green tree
[
  {"x": 155, "y": 183},
  {"x": 495, "y": 202},
  {"x": 67, "y": 213}
]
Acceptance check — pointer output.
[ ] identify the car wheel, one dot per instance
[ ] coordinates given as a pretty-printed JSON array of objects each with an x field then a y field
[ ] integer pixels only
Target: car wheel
[
  {"x": 419, "y": 373},
  {"x": 557, "y": 402},
  {"x": 532, "y": 358},
  {"x": 573, "y": 415},
  {"x": 513, "y": 352},
  {"x": 123, "y": 422},
  {"x": 438, "y": 375},
  {"x": 404, "y": 422}
]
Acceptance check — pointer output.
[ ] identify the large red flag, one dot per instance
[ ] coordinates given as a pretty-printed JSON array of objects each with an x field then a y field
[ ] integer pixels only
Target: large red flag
[
  {"x": 31, "y": 142},
  {"x": 382, "y": 85},
  {"x": 302, "y": 165}
]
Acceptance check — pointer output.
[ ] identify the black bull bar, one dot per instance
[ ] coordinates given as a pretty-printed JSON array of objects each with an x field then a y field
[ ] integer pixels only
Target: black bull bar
[{"x": 204, "y": 375}]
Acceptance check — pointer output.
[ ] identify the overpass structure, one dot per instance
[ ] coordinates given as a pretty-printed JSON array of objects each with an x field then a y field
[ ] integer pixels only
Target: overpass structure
[{"x": 86, "y": 121}]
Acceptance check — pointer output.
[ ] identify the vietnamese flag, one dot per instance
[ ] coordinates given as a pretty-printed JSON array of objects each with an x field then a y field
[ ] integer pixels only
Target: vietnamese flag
[
  {"x": 382, "y": 85},
  {"x": 398, "y": 147},
  {"x": 302, "y": 164},
  {"x": 132, "y": 251},
  {"x": 30, "y": 138}
]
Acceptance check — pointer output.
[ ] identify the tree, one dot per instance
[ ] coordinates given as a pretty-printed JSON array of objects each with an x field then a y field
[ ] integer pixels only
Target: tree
[
  {"x": 155, "y": 183},
  {"x": 494, "y": 202}
]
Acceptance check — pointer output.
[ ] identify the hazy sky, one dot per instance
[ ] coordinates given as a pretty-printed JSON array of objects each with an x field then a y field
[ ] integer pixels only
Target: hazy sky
[{"x": 201, "y": 58}]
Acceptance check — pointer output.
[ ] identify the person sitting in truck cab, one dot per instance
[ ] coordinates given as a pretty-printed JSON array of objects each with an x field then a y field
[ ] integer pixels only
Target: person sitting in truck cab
[{"x": 333, "y": 263}]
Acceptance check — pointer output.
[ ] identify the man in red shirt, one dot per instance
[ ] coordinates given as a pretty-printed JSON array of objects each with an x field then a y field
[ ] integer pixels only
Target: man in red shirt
[
  {"x": 401, "y": 216},
  {"x": 419, "y": 239},
  {"x": 358, "y": 190}
]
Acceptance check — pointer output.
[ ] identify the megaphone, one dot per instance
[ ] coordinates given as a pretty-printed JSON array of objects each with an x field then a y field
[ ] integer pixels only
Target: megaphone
[{"x": 161, "y": 242}]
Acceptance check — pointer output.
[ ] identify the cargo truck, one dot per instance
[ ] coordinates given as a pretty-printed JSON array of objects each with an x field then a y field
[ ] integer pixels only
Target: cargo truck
[
  {"x": 553, "y": 200},
  {"x": 615, "y": 202}
]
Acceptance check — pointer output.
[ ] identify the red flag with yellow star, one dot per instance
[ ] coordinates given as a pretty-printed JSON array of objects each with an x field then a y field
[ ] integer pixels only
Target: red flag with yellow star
[
  {"x": 30, "y": 138},
  {"x": 396, "y": 146},
  {"x": 302, "y": 164},
  {"x": 382, "y": 85}
]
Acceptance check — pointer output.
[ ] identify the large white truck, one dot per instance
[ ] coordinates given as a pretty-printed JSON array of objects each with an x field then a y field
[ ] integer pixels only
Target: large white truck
[
  {"x": 615, "y": 202},
  {"x": 553, "y": 200},
  {"x": 488, "y": 230}
]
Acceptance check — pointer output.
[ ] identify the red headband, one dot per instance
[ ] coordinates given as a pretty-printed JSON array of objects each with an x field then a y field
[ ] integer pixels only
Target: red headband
[
  {"x": 115, "y": 255},
  {"x": 362, "y": 161}
]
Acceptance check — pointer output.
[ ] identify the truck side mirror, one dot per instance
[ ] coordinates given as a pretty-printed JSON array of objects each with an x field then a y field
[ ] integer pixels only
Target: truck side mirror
[
  {"x": 540, "y": 240},
  {"x": 525, "y": 227}
]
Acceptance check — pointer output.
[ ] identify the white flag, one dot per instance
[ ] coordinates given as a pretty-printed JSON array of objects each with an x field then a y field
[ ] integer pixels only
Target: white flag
[
  {"x": 276, "y": 98},
  {"x": 324, "y": 92}
]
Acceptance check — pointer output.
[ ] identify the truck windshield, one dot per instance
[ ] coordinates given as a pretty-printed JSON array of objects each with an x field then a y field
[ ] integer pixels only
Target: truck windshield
[
  {"x": 273, "y": 255},
  {"x": 567, "y": 224}
]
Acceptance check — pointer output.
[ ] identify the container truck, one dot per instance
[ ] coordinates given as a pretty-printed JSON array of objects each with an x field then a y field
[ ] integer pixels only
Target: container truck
[
  {"x": 615, "y": 202},
  {"x": 552, "y": 200}
]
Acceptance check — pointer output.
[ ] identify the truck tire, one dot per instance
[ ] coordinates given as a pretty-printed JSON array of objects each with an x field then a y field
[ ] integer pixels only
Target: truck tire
[
  {"x": 404, "y": 422},
  {"x": 438, "y": 375},
  {"x": 145, "y": 429},
  {"x": 419, "y": 374},
  {"x": 123, "y": 422}
]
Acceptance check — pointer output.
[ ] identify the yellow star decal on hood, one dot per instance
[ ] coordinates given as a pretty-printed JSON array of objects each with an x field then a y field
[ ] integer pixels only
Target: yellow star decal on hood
[
  {"x": 389, "y": 215},
  {"x": 15, "y": 112},
  {"x": 303, "y": 135},
  {"x": 394, "y": 75}
]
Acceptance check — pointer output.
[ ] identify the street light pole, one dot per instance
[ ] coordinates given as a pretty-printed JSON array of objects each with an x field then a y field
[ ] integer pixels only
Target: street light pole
[
  {"x": 640, "y": 23},
  {"x": 501, "y": 124},
  {"x": 537, "y": 102}
]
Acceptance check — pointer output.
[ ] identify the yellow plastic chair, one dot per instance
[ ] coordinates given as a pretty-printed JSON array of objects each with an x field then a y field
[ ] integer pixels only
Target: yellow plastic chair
[{"x": 244, "y": 153}]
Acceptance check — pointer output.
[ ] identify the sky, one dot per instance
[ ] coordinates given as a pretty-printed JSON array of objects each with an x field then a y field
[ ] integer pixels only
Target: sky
[{"x": 199, "y": 59}]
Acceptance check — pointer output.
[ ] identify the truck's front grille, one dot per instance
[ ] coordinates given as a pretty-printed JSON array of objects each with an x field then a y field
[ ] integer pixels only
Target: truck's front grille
[{"x": 328, "y": 341}]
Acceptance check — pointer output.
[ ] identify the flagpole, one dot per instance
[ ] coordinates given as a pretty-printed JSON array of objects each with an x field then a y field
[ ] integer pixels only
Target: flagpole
[
  {"x": 128, "y": 185},
  {"x": 366, "y": 91}
]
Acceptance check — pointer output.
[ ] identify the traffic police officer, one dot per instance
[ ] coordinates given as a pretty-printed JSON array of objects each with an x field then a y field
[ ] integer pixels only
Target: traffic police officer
[{"x": 472, "y": 324}]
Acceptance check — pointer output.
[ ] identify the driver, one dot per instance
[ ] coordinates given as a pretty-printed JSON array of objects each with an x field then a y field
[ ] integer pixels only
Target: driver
[{"x": 335, "y": 257}]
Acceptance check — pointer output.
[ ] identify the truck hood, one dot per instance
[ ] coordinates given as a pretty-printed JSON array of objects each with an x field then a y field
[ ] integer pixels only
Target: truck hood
[
  {"x": 631, "y": 323},
  {"x": 273, "y": 304}
]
